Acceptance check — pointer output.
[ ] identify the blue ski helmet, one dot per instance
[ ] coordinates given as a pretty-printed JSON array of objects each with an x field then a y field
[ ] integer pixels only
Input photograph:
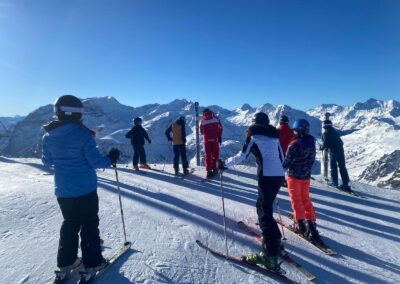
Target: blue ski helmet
[{"x": 301, "y": 126}]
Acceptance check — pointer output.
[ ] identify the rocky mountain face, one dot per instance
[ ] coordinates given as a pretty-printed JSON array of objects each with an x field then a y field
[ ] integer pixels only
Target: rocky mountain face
[
  {"x": 371, "y": 131},
  {"x": 384, "y": 167},
  {"x": 111, "y": 120},
  {"x": 371, "y": 136}
]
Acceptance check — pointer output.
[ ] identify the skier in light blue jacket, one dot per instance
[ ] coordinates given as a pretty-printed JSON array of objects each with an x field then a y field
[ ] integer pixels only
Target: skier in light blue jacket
[{"x": 70, "y": 149}]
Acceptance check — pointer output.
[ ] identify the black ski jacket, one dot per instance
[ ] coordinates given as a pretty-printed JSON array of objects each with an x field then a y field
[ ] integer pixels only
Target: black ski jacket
[
  {"x": 332, "y": 141},
  {"x": 137, "y": 135}
]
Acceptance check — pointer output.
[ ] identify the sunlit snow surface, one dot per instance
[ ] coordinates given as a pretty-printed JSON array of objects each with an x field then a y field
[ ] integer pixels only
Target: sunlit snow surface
[{"x": 165, "y": 215}]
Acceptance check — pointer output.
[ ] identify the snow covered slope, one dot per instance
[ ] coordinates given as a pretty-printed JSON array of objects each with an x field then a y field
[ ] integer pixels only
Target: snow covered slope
[
  {"x": 372, "y": 135},
  {"x": 165, "y": 215}
]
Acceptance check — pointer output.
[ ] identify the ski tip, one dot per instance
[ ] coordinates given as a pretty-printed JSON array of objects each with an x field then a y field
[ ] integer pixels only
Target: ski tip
[{"x": 128, "y": 244}]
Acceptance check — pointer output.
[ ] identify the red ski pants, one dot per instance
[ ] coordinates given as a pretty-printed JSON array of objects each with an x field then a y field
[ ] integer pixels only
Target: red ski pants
[
  {"x": 211, "y": 153},
  {"x": 299, "y": 193}
]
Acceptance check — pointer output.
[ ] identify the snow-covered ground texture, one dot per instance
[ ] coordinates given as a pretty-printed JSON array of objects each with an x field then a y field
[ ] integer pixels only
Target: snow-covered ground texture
[
  {"x": 371, "y": 131},
  {"x": 165, "y": 215}
]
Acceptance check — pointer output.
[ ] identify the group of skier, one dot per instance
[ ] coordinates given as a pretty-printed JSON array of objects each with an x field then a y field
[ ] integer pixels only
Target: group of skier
[{"x": 69, "y": 147}]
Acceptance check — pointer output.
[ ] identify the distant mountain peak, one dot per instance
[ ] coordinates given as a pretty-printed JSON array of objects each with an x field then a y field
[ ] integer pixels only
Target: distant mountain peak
[
  {"x": 330, "y": 105},
  {"x": 246, "y": 107}
]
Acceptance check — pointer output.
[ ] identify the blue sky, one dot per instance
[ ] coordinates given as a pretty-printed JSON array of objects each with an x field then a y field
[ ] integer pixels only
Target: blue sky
[{"x": 301, "y": 53}]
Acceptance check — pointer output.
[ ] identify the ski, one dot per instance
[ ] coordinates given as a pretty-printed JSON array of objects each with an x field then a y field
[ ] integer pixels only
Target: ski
[
  {"x": 242, "y": 261},
  {"x": 251, "y": 232},
  {"x": 87, "y": 278},
  {"x": 350, "y": 192},
  {"x": 324, "y": 248}
]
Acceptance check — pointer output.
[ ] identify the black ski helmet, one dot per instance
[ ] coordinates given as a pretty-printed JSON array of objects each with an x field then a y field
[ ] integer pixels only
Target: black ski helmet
[
  {"x": 182, "y": 119},
  {"x": 137, "y": 121},
  {"x": 206, "y": 110},
  {"x": 301, "y": 126},
  {"x": 284, "y": 119},
  {"x": 68, "y": 108},
  {"x": 261, "y": 118}
]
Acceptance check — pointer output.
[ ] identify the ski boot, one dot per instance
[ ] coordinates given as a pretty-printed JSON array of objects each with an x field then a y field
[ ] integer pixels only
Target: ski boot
[
  {"x": 210, "y": 174},
  {"x": 333, "y": 184},
  {"x": 144, "y": 166},
  {"x": 135, "y": 167},
  {"x": 299, "y": 227},
  {"x": 312, "y": 233},
  {"x": 345, "y": 188},
  {"x": 176, "y": 171},
  {"x": 63, "y": 272},
  {"x": 185, "y": 171},
  {"x": 90, "y": 272},
  {"x": 269, "y": 262}
]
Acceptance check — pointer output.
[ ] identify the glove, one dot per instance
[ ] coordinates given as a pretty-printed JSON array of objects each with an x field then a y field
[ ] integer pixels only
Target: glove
[
  {"x": 114, "y": 155},
  {"x": 221, "y": 165},
  {"x": 220, "y": 140},
  {"x": 169, "y": 139},
  {"x": 149, "y": 141}
]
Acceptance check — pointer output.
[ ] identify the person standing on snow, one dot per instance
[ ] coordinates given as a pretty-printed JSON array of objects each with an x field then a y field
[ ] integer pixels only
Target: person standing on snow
[
  {"x": 285, "y": 136},
  {"x": 333, "y": 143},
  {"x": 298, "y": 162},
  {"x": 178, "y": 143},
  {"x": 211, "y": 129},
  {"x": 70, "y": 148},
  {"x": 137, "y": 135},
  {"x": 285, "y": 133},
  {"x": 262, "y": 140}
]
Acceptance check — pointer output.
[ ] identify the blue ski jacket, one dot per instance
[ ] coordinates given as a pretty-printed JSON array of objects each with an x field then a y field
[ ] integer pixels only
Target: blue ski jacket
[{"x": 71, "y": 150}]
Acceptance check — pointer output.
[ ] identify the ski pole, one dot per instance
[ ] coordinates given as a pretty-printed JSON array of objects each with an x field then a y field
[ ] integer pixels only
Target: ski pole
[
  {"x": 223, "y": 209},
  {"x": 120, "y": 203},
  {"x": 280, "y": 218}
]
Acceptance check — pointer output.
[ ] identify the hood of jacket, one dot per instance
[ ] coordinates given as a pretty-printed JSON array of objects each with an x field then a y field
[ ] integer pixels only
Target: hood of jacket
[
  {"x": 61, "y": 128},
  {"x": 268, "y": 130}
]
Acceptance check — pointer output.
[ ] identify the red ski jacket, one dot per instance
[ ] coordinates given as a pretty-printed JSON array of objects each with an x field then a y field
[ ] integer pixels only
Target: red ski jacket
[
  {"x": 285, "y": 136},
  {"x": 210, "y": 127}
]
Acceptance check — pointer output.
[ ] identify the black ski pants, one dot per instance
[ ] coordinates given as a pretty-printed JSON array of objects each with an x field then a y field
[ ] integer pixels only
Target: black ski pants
[
  {"x": 80, "y": 215},
  {"x": 139, "y": 154},
  {"x": 268, "y": 188},
  {"x": 180, "y": 150},
  {"x": 337, "y": 159}
]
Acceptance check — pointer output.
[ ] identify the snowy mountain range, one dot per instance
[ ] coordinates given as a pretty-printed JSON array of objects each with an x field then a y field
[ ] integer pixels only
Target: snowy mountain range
[{"x": 371, "y": 131}]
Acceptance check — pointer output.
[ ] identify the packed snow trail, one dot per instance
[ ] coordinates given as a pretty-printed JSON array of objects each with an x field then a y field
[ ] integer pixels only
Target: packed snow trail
[{"x": 165, "y": 215}]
